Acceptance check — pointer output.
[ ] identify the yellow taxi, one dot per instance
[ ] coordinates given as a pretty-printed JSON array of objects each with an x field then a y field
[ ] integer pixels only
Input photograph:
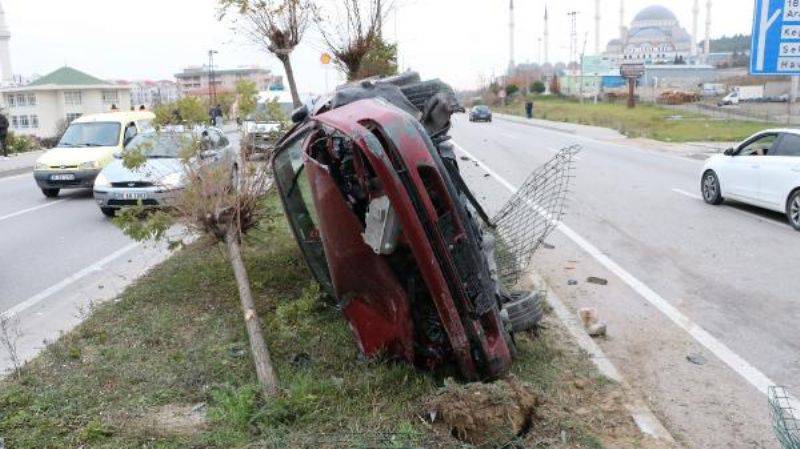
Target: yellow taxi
[{"x": 87, "y": 146}]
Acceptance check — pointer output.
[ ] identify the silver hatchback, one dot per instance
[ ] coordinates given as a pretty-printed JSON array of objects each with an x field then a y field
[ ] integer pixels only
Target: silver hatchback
[{"x": 162, "y": 177}]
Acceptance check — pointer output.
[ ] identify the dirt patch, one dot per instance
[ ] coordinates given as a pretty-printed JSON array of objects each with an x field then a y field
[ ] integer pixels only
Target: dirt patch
[{"x": 481, "y": 414}]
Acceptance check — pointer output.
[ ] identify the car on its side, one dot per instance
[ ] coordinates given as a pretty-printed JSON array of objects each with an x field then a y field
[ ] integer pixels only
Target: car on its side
[
  {"x": 161, "y": 178},
  {"x": 480, "y": 113},
  {"x": 763, "y": 171},
  {"x": 87, "y": 146}
]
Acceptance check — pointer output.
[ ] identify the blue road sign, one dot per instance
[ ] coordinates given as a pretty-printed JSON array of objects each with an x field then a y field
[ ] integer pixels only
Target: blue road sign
[{"x": 776, "y": 38}]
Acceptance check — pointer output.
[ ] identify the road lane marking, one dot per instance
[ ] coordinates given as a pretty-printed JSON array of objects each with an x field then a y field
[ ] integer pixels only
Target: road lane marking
[
  {"x": 747, "y": 371},
  {"x": 30, "y": 209},
  {"x": 50, "y": 291},
  {"x": 690, "y": 195},
  {"x": 749, "y": 214}
]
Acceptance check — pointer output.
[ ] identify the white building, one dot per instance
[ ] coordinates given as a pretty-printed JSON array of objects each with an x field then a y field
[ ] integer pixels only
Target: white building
[
  {"x": 5, "y": 53},
  {"x": 154, "y": 93},
  {"x": 40, "y": 108},
  {"x": 654, "y": 37}
]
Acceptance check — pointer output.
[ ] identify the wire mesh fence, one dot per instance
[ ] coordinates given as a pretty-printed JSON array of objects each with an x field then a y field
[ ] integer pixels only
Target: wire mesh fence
[
  {"x": 785, "y": 419},
  {"x": 532, "y": 214}
]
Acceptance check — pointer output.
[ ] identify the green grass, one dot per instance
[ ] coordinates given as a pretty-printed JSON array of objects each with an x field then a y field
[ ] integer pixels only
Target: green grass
[
  {"x": 175, "y": 339},
  {"x": 646, "y": 120}
]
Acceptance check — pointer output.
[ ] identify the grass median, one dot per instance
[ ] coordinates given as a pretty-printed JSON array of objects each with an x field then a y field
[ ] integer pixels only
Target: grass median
[
  {"x": 646, "y": 120},
  {"x": 166, "y": 365}
]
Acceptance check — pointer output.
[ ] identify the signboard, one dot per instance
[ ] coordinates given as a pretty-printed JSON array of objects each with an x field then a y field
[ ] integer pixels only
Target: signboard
[
  {"x": 633, "y": 70},
  {"x": 597, "y": 66},
  {"x": 776, "y": 38},
  {"x": 325, "y": 59}
]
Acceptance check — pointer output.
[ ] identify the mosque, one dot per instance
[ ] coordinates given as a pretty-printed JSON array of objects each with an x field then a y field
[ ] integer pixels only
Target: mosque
[{"x": 655, "y": 37}]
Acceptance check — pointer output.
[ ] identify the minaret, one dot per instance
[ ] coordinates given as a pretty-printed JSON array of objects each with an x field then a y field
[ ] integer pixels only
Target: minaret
[
  {"x": 6, "y": 77},
  {"x": 546, "y": 37},
  {"x": 695, "y": 25},
  {"x": 708, "y": 29},
  {"x": 597, "y": 27},
  {"x": 511, "y": 64},
  {"x": 622, "y": 19}
]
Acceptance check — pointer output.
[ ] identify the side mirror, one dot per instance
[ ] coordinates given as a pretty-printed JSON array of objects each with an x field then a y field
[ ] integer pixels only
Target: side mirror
[{"x": 729, "y": 152}]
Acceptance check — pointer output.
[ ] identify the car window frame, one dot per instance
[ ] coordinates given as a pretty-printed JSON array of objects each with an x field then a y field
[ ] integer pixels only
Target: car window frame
[{"x": 753, "y": 140}]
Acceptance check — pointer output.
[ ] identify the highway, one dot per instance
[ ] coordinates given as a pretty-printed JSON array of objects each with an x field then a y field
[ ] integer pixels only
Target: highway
[{"x": 687, "y": 280}]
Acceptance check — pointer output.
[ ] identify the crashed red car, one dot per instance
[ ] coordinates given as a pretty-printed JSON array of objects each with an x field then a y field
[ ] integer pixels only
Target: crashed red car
[{"x": 370, "y": 187}]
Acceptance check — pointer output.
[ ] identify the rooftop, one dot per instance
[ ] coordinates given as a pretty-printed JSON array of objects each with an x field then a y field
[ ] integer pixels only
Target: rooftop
[
  {"x": 67, "y": 76},
  {"x": 655, "y": 12}
]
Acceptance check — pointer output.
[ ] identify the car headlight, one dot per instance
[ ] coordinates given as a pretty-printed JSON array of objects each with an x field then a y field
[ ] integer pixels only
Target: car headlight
[
  {"x": 101, "y": 181},
  {"x": 41, "y": 166},
  {"x": 172, "y": 181},
  {"x": 89, "y": 165}
]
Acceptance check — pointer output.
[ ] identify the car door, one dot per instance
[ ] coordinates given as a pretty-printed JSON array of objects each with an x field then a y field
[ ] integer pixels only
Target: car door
[
  {"x": 739, "y": 174},
  {"x": 780, "y": 172}
]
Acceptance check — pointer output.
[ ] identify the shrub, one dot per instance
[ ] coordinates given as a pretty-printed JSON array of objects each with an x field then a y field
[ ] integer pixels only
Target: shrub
[
  {"x": 537, "y": 87},
  {"x": 18, "y": 143}
]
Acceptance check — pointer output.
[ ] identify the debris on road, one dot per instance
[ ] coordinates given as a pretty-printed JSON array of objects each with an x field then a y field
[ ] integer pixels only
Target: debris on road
[
  {"x": 697, "y": 359},
  {"x": 484, "y": 414},
  {"x": 572, "y": 282},
  {"x": 597, "y": 280},
  {"x": 594, "y": 327}
]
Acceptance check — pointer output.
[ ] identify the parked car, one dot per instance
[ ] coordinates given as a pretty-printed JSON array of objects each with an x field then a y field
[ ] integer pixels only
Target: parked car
[
  {"x": 87, "y": 146},
  {"x": 259, "y": 137},
  {"x": 763, "y": 171},
  {"x": 371, "y": 189},
  {"x": 480, "y": 114},
  {"x": 161, "y": 178}
]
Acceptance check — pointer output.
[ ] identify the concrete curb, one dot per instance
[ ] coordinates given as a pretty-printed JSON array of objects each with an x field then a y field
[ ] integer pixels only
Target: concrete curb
[{"x": 645, "y": 420}]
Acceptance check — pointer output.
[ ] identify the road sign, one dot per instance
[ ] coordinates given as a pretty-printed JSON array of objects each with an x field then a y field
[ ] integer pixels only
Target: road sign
[
  {"x": 632, "y": 70},
  {"x": 325, "y": 59},
  {"x": 776, "y": 38}
]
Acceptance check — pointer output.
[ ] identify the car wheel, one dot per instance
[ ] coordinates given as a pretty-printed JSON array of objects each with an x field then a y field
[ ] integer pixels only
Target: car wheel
[
  {"x": 51, "y": 193},
  {"x": 793, "y": 210},
  {"x": 709, "y": 186},
  {"x": 109, "y": 212}
]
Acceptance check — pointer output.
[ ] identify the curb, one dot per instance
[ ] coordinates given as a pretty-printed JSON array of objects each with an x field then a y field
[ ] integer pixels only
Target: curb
[
  {"x": 15, "y": 172},
  {"x": 642, "y": 415}
]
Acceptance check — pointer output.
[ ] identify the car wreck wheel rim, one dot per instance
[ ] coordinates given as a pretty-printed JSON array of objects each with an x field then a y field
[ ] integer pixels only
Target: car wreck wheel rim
[
  {"x": 794, "y": 211},
  {"x": 710, "y": 187}
]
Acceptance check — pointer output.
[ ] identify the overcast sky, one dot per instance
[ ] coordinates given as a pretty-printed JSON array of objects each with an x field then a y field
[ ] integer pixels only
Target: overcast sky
[{"x": 459, "y": 41}]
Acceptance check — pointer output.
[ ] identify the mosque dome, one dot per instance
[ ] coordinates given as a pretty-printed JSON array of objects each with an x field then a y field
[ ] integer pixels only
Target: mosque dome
[{"x": 655, "y": 12}]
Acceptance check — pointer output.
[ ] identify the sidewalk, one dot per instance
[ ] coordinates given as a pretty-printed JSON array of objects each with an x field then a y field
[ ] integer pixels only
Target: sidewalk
[
  {"x": 693, "y": 150},
  {"x": 18, "y": 163}
]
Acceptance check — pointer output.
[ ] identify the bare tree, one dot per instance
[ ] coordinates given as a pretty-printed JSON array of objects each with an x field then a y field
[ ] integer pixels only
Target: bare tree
[
  {"x": 10, "y": 333},
  {"x": 351, "y": 30},
  {"x": 221, "y": 199},
  {"x": 275, "y": 25}
]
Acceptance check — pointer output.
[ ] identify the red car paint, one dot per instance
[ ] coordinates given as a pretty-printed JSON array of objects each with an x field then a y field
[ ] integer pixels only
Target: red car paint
[{"x": 402, "y": 158}]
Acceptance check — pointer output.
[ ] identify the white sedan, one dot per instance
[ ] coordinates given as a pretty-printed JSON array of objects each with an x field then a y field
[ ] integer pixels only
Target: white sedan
[{"x": 763, "y": 171}]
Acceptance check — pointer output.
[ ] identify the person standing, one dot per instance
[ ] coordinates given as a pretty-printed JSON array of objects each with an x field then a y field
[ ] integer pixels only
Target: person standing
[
  {"x": 529, "y": 109},
  {"x": 4, "y": 133}
]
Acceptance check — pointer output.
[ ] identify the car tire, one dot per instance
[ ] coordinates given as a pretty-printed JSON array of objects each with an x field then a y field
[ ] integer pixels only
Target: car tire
[
  {"x": 710, "y": 189},
  {"x": 793, "y": 210},
  {"x": 51, "y": 193},
  {"x": 109, "y": 212}
]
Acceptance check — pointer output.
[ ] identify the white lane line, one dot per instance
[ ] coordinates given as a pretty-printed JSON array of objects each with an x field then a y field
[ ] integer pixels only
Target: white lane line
[
  {"x": 46, "y": 293},
  {"x": 748, "y": 372},
  {"x": 30, "y": 209},
  {"x": 749, "y": 215},
  {"x": 690, "y": 195}
]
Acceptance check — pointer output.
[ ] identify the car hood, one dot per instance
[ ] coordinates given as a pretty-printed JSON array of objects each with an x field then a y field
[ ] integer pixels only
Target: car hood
[
  {"x": 151, "y": 171},
  {"x": 76, "y": 156}
]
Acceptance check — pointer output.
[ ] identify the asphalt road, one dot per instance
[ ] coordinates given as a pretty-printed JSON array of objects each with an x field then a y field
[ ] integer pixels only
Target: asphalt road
[{"x": 685, "y": 278}]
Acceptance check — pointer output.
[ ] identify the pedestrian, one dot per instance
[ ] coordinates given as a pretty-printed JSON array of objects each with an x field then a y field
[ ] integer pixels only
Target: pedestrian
[
  {"x": 114, "y": 108},
  {"x": 142, "y": 108},
  {"x": 4, "y": 133},
  {"x": 529, "y": 109},
  {"x": 218, "y": 116}
]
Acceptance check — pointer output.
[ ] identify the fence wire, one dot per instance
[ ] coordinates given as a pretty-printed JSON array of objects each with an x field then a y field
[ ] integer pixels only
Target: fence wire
[
  {"x": 785, "y": 419},
  {"x": 532, "y": 214}
]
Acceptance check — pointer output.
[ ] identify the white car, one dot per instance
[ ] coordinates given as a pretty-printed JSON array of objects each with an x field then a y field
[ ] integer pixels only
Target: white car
[{"x": 763, "y": 171}]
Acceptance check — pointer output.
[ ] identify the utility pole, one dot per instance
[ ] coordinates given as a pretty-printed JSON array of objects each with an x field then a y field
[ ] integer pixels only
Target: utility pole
[
  {"x": 212, "y": 84},
  {"x": 546, "y": 36},
  {"x": 573, "y": 34},
  {"x": 597, "y": 27},
  {"x": 708, "y": 30},
  {"x": 581, "y": 78},
  {"x": 511, "y": 64}
]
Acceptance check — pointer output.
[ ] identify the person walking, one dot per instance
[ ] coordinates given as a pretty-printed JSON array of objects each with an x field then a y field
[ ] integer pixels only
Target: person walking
[
  {"x": 4, "y": 133},
  {"x": 529, "y": 109}
]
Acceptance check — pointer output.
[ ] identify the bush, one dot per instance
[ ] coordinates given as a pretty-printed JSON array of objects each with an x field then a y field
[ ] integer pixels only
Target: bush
[
  {"x": 511, "y": 89},
  {"x": 18, "y": 143},
  {"x": 538, "y": 87}
]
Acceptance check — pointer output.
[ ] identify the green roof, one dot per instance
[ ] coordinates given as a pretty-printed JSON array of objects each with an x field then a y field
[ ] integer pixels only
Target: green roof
[{"x": 67, "y": 76}]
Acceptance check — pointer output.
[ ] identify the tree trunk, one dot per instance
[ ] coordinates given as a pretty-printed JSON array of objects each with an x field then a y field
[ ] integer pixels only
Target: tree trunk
[
  {"x": 258, "y": 347},
  {"x": 287, "y": 67}
]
